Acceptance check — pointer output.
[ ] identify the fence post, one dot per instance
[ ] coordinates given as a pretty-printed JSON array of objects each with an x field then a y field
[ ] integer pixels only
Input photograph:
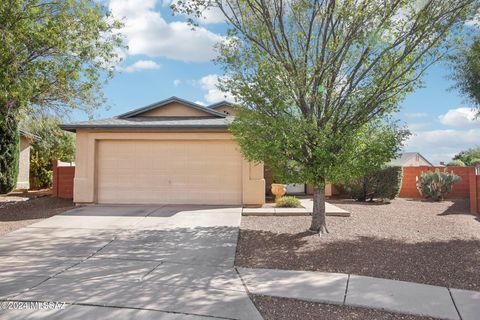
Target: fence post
[
  {"x": 472, "y": 179},
  {"x": 55, "y": 178}
]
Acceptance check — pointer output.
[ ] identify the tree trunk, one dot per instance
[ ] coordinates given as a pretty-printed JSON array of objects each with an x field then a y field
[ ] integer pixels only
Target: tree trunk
[{"x": 319, "y": 222}]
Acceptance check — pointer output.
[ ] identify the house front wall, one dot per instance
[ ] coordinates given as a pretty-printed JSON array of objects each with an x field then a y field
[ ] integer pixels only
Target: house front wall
[
  {"x": 226, "y": 109},
  {"x": 93, "y": 148},
  {"x": 23, "y": 182}
]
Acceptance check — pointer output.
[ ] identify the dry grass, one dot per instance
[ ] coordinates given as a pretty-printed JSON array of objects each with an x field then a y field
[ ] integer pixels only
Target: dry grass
[{"x": 425, "y": 242}]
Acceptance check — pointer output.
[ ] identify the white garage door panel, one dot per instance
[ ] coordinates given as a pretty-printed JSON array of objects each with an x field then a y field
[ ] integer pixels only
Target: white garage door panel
[{"x": 143, "y": 171}]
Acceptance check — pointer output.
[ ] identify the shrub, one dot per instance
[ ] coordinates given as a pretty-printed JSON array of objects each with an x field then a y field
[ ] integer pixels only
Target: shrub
[
  {"x": 384, "y": 183},
  {"x": 436, "y": 185},
  {"x": 52, "y": 144},
  {"x": 288, "y": 202},
  {"x": 456, "y": 163},
  {"x": 9, "y": 152}
]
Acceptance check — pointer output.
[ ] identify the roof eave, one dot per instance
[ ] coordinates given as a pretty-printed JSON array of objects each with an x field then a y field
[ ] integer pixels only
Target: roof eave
[
  {"x": 167, "y": 101},
  {"x": 74, "y": 128}
]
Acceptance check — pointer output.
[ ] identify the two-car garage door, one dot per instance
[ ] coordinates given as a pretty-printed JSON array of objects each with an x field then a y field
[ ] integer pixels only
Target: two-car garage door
[{"x": 168, "y": 171}]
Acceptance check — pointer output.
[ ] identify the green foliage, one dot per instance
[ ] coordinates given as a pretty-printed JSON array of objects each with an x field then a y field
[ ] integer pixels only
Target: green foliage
[
  {"x": 384, "y": 183},
  {"x": 468, "y": 156},
  {"x": 456, "y": 163},
  {"x": 466, "y": 72},
  {"x": 54, "y": 57},
  {"x": 436, "y": 185},
  {"x": 288, "y": 202},
  {"x": 475, "y": 162},
  {"x": 52, "y": 144},
  {"x": 9, "y": 153},
  {"x": 290, "y": 155},
  {"x": 55, "y": 54}
]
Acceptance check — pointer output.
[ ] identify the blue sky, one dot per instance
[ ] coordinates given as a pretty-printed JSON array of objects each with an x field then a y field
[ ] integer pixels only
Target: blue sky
[{"x": 166, "y": 58}]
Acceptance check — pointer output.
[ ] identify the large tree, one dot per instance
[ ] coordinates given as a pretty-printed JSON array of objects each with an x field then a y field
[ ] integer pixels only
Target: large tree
[
  {"x": 466, "y": 71},
  {"x": 54, "y": 56},
  {"x": 314, "y": 74}
]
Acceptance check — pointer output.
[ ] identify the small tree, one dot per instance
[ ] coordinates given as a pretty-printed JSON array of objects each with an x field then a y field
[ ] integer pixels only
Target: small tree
[
  {"x": 9, "y": 153},
  {"x": 311, "y": 76},
  {"x": 54, "y": 56},
  {"x": 52, "y": 143}
]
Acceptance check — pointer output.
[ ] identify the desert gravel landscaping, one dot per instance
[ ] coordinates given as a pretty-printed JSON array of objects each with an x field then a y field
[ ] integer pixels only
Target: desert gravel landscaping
[
  {"x": 409, "y": 240},
  {"x": 18, "y": 210},
  {"x": 289, "y": 309}
]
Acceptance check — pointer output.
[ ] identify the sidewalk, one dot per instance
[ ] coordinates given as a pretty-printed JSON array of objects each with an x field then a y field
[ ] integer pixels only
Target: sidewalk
[
  {"x": 306, "y": 210},
  {"x": 361, "y": 291}
]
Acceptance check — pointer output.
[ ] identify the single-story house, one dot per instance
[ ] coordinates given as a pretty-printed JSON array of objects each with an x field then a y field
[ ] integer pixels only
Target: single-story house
[
  {"x": 173, "y": 151},
  {"x": 23, "y": 178},
  {"x": 410, "y": 159}
]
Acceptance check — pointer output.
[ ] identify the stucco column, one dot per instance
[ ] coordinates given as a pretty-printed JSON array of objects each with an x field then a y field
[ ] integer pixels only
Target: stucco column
[{"x": 253, "y": 184}]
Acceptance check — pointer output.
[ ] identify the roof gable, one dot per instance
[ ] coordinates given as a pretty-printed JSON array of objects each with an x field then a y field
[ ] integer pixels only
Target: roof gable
[
  {"x": 224, "y": 107},
  {"x": 173, "y": 107},
  {"x": 405, "y": 157}
]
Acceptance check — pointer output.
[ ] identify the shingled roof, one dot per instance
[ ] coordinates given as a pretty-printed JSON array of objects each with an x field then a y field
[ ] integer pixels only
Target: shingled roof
[
  {"x": 133, "y": 119},
  {"x": 151, "y": 123}
]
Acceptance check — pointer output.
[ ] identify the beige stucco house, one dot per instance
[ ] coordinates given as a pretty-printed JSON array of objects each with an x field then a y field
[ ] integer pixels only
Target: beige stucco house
[
  {"x": 410, "y": 159},
  {"x": 173, "y": 151},
  {"x": 23, "y": 178}
]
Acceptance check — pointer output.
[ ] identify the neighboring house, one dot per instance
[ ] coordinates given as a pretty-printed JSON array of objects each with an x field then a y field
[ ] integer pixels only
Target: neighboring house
[
  {"x": 410, "y": 159},
  {"x": 23, "y": 179},
  {"x": 173, "y": 151}
]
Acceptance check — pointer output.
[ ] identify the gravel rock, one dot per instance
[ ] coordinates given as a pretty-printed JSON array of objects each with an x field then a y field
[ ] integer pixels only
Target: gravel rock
[
  {"x": 28, "y": 209},
  {"x": 409, "y": 240},
  {"x": 289, "y": 309}
]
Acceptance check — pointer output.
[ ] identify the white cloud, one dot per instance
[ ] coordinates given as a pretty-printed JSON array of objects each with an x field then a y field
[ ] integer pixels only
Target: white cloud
[
  {"x": 201, "y": 103},
  {"x": 209, "y": 84},
  {"x": 475, "y": 22},
  {"x": 141, "y": 65},
  {"x": 459, "y": 117},
  {"x": 212, "y": 15},
  {"x": 176, "y": 82},
  {"x": 147, "y": 33},
  {"x": 442, "y": 145},
  {"x": 418, "y": 125}
]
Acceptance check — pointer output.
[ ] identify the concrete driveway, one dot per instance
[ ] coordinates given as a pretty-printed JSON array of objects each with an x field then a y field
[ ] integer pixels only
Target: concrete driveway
[{"x": 121, "y": 262}]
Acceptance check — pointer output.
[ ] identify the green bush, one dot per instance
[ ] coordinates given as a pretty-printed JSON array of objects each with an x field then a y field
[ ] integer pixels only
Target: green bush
[
  {"x": 456, "y": 163},
  {"x": 9, "y": 152},
  {"x": 436, "y": 185},
  {"x": 288, "y": 202},
  {"x": 475, "y": 162},
  {"x": 52, "y": 144},
  {"x": 384, "y": 183}
]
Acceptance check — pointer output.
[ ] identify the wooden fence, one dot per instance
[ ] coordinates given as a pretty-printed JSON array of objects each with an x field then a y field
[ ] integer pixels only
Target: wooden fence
[{"x": 63, "y": 174}]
